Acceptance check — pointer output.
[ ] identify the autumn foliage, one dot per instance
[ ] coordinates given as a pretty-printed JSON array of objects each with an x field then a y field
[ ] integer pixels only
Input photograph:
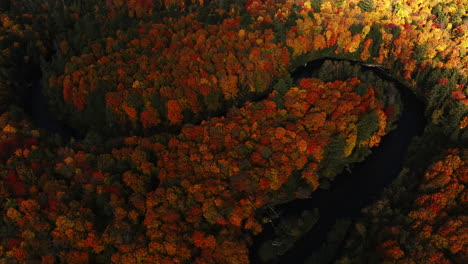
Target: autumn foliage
[
  {"x": 200, "y": 127},
  {"x": 207, "y": 66},
  {"x": 154, "y": 77},
  {"x": 212, "y": 179}
]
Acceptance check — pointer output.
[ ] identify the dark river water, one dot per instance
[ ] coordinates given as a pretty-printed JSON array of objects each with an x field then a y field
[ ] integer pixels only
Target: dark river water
[
  {"x": 41, "y": 115},
  {"x": 351, "y": 191}
]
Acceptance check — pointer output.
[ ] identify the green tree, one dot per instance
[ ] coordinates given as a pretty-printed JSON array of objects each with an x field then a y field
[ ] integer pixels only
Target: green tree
[
  {"x": 366, "y": 5},
  {"x": 367, "y": 125}
]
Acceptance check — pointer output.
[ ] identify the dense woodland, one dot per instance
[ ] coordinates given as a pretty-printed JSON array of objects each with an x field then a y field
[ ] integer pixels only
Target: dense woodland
[{"x": 188, "y": 126}]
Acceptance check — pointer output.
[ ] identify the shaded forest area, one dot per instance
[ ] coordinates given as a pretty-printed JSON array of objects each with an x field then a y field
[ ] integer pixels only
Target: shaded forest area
[{"x": 184, "y": 127}]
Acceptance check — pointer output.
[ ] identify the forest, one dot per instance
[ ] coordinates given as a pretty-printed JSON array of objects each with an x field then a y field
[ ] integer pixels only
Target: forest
[{"x": 226, "y": 131}]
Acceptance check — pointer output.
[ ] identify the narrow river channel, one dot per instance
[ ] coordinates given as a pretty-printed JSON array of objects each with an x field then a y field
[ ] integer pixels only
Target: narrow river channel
[{"x": 351, "y": 191}]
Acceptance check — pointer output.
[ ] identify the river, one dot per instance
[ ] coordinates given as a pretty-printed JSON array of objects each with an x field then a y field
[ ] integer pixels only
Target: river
[
  {"x": 40, "y": 114},
  {"x": 351, "y": 191}
]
